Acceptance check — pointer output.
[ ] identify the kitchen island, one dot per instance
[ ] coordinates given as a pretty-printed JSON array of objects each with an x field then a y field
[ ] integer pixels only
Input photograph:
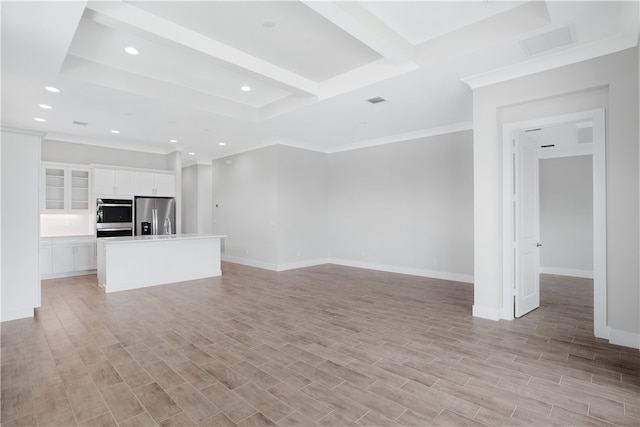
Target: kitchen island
[{"x": 137, "y": 262}]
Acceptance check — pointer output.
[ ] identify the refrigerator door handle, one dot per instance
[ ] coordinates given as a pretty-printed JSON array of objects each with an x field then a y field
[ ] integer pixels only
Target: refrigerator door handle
[{"x": 154, "y": 222}]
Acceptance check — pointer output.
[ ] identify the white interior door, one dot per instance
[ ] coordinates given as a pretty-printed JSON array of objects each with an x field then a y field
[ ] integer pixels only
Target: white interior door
[{"x": 527, "y": 226}]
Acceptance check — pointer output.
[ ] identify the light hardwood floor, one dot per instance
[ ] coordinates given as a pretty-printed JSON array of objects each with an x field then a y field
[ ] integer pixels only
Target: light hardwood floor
[{"x": 327, "y": 346}]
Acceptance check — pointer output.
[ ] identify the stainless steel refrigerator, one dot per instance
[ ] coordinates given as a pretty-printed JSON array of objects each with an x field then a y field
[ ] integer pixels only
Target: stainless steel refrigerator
[{"x": 155, "y": 215}]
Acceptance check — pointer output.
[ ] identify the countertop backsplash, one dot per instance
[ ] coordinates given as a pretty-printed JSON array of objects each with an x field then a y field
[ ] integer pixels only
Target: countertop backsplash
[{"x": 52, "y": 225}]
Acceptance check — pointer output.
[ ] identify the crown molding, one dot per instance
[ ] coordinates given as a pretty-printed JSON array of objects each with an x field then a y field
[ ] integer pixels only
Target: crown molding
[
  {"x": 423, "y": 133},
  {"x": 21, "y": 130},
  {"x": 558, "y": 59},
  {"x": 107, "y": 144}
]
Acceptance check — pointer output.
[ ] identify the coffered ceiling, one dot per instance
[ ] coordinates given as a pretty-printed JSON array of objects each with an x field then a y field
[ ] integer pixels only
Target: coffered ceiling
[{"x": 310, "y": 67}]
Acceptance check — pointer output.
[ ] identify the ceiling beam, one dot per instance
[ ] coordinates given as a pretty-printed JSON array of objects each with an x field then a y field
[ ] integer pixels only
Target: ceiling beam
[
  {"x": 128, "y": 17},
  {"x": 357, "y": 21}
]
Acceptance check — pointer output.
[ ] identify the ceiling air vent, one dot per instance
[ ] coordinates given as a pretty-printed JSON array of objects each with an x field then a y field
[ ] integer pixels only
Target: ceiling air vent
[
  {"x": 376, "y": 100},
  {"x": 551, "y": 40},
  {"x": 75, "y": 122}
]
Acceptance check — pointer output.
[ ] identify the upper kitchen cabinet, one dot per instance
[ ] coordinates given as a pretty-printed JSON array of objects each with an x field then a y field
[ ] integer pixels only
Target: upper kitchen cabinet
[
  {"x": 112, "y": 182},
  {"x": 65, "y": 188},
  {"x": 155, "y": 184}
]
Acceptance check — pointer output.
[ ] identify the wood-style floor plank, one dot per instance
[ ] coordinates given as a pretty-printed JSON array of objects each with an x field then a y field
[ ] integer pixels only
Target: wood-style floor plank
[{"x": 324, "y": 346}]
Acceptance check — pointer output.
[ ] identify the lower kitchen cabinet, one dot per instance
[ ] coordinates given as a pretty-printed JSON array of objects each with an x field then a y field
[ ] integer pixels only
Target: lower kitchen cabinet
[
  {"x": 45, "y": 257},
  {"x": 62, "y": 258},
  {"x": 84, "y": 257},
  {"x": 67, "y": 256}
]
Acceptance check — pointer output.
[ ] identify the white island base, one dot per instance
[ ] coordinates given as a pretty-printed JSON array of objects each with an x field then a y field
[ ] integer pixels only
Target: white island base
[{"x": 137, "y": 262}]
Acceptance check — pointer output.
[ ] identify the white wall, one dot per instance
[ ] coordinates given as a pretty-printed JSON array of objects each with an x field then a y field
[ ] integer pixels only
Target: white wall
[
  {"x": 82, "y": 154},
  {"x": 405, "y": 207},
  {"x": 173, "y": 162},
  {"x": 272, "y": 203},
  {"x": 568, "y": 89},
  {"x": 245, "y": 206},
  {"x": 197, "y": 193},
  {"x": 190, "y": 199},
  {"x": 302, "y": 207},
  {"x": 205, "y": 199},
  {"x": 566, "y": 216},
  {"x": 20, "y": 276}
]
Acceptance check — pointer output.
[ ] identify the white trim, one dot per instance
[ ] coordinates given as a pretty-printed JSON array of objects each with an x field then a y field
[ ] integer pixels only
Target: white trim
[
  {"x": 571, "y": 272},
  {"x": 301, "y": 264},
  {"x": 483, "y": 312},
  {"x": 120, "y": 145},
  {"x": 443, "y": 275},
  {"x": 17, "y": 314},
  {"x": 580, "y": 150},
  {"x": 250, "y": 262},
  {"x": 68, "y": 274},
  {"x": 12, "y": 129},
  {"x": 624, "y": 338},
  {"x": 422, "y": 133},
  {"x": 560, "y": 58},
  {"x": 597, "y": 116}
]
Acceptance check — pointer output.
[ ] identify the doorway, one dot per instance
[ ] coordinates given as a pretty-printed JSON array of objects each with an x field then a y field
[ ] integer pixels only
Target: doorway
[{"x": 510, "y": 265}]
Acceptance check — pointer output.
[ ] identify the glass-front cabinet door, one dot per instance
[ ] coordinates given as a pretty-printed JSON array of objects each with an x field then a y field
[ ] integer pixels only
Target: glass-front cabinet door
[
  {"x": 54, "y": 188},
  {"x": 79, "y": 189},
  {"x": 65, "y": 189}
]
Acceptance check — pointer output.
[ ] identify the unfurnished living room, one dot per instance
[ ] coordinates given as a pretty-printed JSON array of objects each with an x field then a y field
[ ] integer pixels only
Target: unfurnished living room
[{"x": 320, "y": 213}]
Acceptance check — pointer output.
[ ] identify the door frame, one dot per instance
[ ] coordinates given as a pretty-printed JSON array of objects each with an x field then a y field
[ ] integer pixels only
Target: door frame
[{"x": 597, "y": 117}]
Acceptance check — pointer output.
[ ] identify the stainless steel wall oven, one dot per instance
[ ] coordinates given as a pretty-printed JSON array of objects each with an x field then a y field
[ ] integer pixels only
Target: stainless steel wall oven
[{"x": 114, "y": 217}]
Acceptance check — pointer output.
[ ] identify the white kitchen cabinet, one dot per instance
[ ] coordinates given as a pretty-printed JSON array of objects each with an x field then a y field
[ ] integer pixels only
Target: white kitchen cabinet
[
  {"x": 154, "y": 184},
  {"x": 67, "y": 256},
  {"x": 112, "y": 182},
  {"x": 79, "y": 189},
  {"x": 45, "y": 257},
  {"x": 84, "y": 256},
  {"x": 62, "y": 258},
  {"x": 165, "y": 185},
  {"x": 65, "y": 189}
]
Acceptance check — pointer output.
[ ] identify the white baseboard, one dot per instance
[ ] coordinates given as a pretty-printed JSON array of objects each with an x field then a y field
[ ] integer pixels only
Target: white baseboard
[
  {"x": 571, "y": 272},
  {"x": 444, "y": 275},
  {"x": 624, "y": 338},
  {"x": 456, "y": 277},
  {"x": 489, "y": 313},
  {"x": 68, "y": 274},
  {"x": 301, "y": 264},
  {"x": 271, "y": 266},
  {"x": 250, "y": 262},
  {"x": 23, "y": 313}
]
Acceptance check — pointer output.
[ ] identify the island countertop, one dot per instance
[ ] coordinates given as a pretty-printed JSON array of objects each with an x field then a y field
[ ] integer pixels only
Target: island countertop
[
  {"x": 137, "y": 262},
  {"x": 160, "y": 237}
]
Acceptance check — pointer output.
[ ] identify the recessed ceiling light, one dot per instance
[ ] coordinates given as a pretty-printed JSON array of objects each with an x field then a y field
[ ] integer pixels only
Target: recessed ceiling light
[
  {"x": 131, "y": 50},
  {"x": 191, "y": 153},
  {"x": 115, "y": 131},
  {"x": 52, "y": 89},
  {"x": 222, "y": 143},
  {"x": 173, "y": 140},
  {"x": 268, "y": 23},
  {"x": 245, "y": 88},
  {"x": 45, "y": 106},
  {"x": 39, "y": 119}
]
